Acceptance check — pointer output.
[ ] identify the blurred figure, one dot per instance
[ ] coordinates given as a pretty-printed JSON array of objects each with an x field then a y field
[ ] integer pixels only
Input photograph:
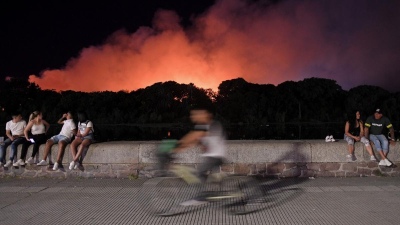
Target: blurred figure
[
  {"x": 210, "y": 135},
  {"x": 38, "y": 127},
  {"x": 15, "y": 133},
  {"x": 354, "y": 131},
  {"x": 165, "y": 154},
  {"x": 374, "y": 131},
  {"x": 84, "y": 137},
  {"x": 68, "y": 130}
]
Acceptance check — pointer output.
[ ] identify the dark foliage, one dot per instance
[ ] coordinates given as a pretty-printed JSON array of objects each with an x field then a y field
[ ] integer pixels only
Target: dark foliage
[{"x": 310, "y": 108}]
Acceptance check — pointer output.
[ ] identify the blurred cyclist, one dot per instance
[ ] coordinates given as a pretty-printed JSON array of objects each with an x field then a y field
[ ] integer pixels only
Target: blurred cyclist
[{"x": 210, "y": 135}]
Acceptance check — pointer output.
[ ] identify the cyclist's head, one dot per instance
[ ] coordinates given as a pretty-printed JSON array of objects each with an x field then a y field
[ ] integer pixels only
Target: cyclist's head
[{"x": 200, "y": 116}]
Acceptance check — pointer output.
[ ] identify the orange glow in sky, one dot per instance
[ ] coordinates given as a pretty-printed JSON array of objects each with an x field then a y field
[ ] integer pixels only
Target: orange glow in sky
[{"x": 232, "y": 39}]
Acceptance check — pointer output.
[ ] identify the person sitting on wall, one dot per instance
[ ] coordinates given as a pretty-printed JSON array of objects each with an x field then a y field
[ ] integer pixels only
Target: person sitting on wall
[
  {"x": 68, "y": 130},
  {"x": 38, "y": 127},
  {"x": 374, "y": 132},
  {"x": 354, "y": 131},
  {"x": 83, "y": 139},
  {"x": 15, "y": 133}
]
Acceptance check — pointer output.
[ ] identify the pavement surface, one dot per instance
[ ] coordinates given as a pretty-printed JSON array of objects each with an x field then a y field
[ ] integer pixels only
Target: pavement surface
[{"x": 349, "y": 201}]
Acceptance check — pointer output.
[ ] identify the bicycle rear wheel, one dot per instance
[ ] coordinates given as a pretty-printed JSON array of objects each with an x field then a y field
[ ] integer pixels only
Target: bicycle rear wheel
[
  {"x": 250, "y": 198},
  {"x": 165, "y": 195}
]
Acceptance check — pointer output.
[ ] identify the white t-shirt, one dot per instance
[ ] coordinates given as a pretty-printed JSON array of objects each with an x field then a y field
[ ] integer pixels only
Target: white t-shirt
[
  {"x": 67, "y": 128},
  {"x": 82, "y": 126},
  {"x": 16, "y": 128},
  {"x": 214, "y": 141},
  {"x": 38, "y": 129}
]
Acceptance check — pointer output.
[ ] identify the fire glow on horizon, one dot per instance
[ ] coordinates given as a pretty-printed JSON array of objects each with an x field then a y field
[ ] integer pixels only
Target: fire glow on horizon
[{"x": 291, "y": 40}]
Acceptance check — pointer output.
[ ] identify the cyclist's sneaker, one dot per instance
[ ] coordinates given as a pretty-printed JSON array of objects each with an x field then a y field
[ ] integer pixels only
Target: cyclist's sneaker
[
  {"x": 332, "y": 139},
  {"x": 193, "y": 202},
  {"x": 373, "y": 159}
]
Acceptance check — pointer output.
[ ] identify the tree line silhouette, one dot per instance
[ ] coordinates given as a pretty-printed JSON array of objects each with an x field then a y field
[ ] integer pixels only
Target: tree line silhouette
[{"x": 307, "y": 109}]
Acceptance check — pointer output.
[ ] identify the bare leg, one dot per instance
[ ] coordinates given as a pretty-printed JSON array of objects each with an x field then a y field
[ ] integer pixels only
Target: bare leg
[
  {"x": 383, "y": 156},
  {"x": 369, "y": 150},
  {"x": 47, "y": 149},
  {"x": 74, "y": 146},
  {"x": 351, "y": 149},
  {"x": 85, "y": 143},
  {"x": 61, "y": 148}
]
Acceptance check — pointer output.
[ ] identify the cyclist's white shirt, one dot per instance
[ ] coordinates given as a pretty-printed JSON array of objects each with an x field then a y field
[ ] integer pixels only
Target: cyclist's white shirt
[{"x": 214, "y": 141}]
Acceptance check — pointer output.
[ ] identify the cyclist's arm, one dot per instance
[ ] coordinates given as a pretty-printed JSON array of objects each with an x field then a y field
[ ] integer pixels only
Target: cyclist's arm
[{"x": 189, "y": 140}]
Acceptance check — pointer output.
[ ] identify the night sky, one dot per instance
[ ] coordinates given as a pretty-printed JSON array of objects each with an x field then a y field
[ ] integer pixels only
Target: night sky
[{"x": 126, "y": 45}]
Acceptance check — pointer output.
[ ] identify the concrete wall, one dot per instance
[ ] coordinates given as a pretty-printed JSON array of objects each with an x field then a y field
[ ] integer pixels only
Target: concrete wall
[{"x": 305, "y": 158}]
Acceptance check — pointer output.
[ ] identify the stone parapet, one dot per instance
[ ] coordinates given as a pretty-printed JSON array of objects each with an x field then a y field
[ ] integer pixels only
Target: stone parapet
[{"x": 283, "y": 158}]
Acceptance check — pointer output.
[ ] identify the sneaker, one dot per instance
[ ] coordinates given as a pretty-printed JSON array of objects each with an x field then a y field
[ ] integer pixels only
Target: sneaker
[
  {"x": 193, "y": 202},
  {"x": 8, "y": 164},
  {"x": 71, "y": 165},
  {"x": 382, "y": 163},
  {"x": 20, "y": 162},
  {"x": 42, "y": 163},
  {"x": 55, "y": 167},
  {"x": 353, "y": 158},
  {"x": 349, "y": 158},
  {"x": 388, "y": 163},
  {"x": 328, "y": 138},
  {"x": 373, "y": 158},
  {"x": 332, "y": 139},
  {"x": 76, "y": 166},
  {"x": 29, "y": 161}
]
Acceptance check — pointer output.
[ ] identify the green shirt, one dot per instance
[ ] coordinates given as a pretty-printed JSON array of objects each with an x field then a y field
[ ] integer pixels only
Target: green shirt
[
  {"x": 376, "y": 126},
  {"x": 167, "y": 145}
]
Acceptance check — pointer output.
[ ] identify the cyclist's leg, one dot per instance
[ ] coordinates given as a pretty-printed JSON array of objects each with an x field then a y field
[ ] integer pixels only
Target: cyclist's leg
[{"x": 209, "y": 164}]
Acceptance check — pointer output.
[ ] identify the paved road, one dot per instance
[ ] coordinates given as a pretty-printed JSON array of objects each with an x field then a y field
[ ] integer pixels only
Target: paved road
[{"x": 347, "y": 201}]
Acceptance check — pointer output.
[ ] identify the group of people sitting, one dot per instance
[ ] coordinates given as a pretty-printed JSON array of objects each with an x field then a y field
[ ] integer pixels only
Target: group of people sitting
[
  {"x": 370, "y": 131},
  {"x": 18, "y": 132}
]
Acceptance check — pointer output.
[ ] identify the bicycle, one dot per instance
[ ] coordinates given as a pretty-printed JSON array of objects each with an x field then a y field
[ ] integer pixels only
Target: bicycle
[{"x": 238, "y": 194}]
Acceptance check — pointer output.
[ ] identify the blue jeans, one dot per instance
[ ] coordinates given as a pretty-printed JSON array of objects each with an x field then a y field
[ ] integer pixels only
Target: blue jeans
[
  {"x": 380, "y": 142},
  {"x": 14, "y": 144}
]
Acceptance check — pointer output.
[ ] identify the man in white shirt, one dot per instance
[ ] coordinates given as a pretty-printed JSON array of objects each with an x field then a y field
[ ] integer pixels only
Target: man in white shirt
[
  {"x": 15, "y": 136},
  {"x": 68, "y": 130},
  {"x": 210, "y": 134}
]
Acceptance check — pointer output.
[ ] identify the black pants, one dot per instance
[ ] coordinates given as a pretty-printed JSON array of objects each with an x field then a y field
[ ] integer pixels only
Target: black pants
[
  {"x": 39, "y": 140},
  {"x": 209, "y": 164}
]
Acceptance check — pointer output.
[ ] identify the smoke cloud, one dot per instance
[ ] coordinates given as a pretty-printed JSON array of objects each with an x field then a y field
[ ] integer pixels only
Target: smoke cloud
[{"x": 353, "y": 42}]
